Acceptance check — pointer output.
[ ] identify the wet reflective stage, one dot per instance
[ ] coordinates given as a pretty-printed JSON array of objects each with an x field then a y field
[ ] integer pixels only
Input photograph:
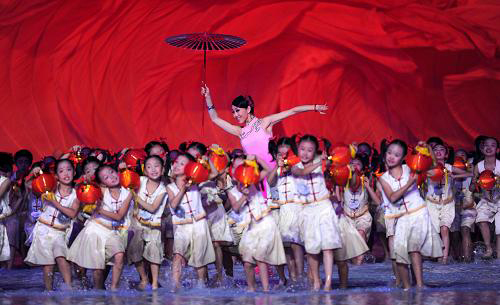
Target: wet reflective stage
[{"x": 475, "y": 283}]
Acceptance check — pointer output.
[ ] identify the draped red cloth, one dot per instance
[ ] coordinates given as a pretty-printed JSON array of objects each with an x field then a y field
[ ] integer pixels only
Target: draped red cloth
[{"x": 99, "y": 72}]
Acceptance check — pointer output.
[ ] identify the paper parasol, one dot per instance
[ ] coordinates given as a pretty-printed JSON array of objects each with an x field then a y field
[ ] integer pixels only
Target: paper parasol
[{"x": 205, "y": 41}]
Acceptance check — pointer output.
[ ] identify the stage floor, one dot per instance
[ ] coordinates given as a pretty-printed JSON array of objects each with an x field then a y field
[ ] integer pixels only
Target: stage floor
[{"x": 476, "y": 283}]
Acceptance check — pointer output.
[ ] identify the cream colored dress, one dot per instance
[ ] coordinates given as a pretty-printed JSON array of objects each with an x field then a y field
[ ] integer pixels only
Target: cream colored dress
[
  {"x": 356, "y": 209},
  {"x": 319, "y": 227},
  {"x": 213, "y": 203},
  {"x": 191, "y": 233},
  {"x": 261, "y": 240},
  {"x": 290, "y": 212},
  {"x": 102, "y": 237},
  {"x": 51, "y": 233},
  {"x": 414, "y": 230},
  {"x": 463, "y": 217},
  {"x": 5, "y": 211},
  {"x": 440, "y": 201},
  {"x": 146, "y": 242},
  {"x": 488, "y": 208}
]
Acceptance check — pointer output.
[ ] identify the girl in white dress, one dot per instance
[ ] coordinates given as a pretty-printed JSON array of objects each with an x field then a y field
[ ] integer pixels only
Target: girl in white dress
[
  {"x": 260, "y": 242},
  {"x": 488, "y": 208},
  {"x": 5, "y": 210},
  {"x": 282, "y": 180},
  {"x": 146, "y": 243},
  {"x": 100, "y": 243},
  {"x": 440, "y": 198},
  {"x": 415, "y": 235},
  {"x": 319, "y": 225},
  {"x": 50, "y": 235},
  {"x": 192, "y": 242}
]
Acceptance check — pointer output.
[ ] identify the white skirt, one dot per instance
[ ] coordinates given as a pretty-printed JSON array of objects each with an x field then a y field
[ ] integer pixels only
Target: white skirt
[
  {"x": 353, "y": 243},
  {"x": 4, "y": 244},
  {"x": 289, "y": 223},
  {"x": 192, "y": 241},
  {"x": 218, "y": 225},
  {"x": 261, "y": 242},
  {"x": 416, "y": 233},
  {"x": 362, "y": 223},
  {"x": 319, "y": 227},
  {"x": 47, "y": 245},
  {"x": 96, "y": 245}
]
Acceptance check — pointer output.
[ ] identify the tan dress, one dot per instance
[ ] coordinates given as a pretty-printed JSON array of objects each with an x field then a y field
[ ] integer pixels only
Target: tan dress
[
  {"x": 50, "y": 235},
  {"x": 101, "y": 238},
  {"x": 146, "y": 242},
  {"x": 356, "y": 209},
  {"x": 440, "y": 201},
  {"x": 191, "y": 233},
  {"x": 290, "y": 211},
  {"x": 414, "y": 231},
  {"x": 5, "y": 211},
  {"x": 217, "y": 219},
  {"x": 260, "y": 240},
  {"x": 319, "y": 227},
  {"x": 488, "y": 208}
]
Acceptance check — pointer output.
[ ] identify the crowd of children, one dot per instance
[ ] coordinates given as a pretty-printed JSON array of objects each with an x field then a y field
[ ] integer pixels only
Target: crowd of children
[{"x": 295, "y": 217}]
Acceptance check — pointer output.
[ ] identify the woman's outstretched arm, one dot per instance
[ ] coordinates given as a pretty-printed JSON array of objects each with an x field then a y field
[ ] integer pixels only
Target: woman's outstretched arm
[
  {"x": 232, "y": 129},
  {"x": 272, "y": 119}
]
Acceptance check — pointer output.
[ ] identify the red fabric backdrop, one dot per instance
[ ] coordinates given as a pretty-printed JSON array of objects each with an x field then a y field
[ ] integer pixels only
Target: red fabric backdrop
[{"x": 99, "y": 72}]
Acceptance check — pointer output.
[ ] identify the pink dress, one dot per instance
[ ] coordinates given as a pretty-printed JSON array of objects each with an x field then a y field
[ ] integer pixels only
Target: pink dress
[{"x": 255, "y": 141}]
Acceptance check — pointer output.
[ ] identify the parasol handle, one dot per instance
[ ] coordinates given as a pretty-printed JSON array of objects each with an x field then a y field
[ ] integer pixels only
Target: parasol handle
[{"x": 204, "y": 82}]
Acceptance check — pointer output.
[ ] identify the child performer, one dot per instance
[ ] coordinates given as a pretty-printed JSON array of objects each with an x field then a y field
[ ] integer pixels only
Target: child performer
[
  {"x": 488, "y": 208},
  {"x": 281, "y": 180},
  {"x": 439, "y": 198},
  {"x": 49, "y": 237},
  {"x": 101, "y": 241},
  {"x": 414, "y": 234},
  {"x": 192, "y": 242},
  {"x": 146, "y": 243},
  {"x": 319, "y": 225},
  {"x": 213, "y": 196},
  {"x": 260, "y": 242},
  {"x": 5, "y": 210},
  {"x": 356, "y": 207}
]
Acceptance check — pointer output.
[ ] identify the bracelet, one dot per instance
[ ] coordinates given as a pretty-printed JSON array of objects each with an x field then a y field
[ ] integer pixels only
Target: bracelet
[{"x": 211, "y": 107}]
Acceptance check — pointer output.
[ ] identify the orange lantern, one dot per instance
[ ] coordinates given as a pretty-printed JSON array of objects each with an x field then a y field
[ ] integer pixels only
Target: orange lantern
[
  {"x": 88, "y": 194},
  {"x": 291, "y": 159},
  {"x": 197, "y": 172},
  {"x": 439, "y": 172},
  {"x": 340, "y": 174},
  {"x": 419, "y": 160},
  {"x": 134, "y": 156},
  {"x": 487, "y": 180},
  {"x": 460, "y": 163},
  {"x": 219, "y": 158},
  {"x": 44, "y": 184},
  {"x": 342, "y": 155},
  {"x": 130, "y": 179},
  {"x": 247, "y": 173}
]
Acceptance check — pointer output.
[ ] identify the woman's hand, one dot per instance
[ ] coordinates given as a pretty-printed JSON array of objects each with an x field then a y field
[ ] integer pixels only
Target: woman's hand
[
  {"x": 322, "y": 109},
  {"x": 204, "y": 90}
]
